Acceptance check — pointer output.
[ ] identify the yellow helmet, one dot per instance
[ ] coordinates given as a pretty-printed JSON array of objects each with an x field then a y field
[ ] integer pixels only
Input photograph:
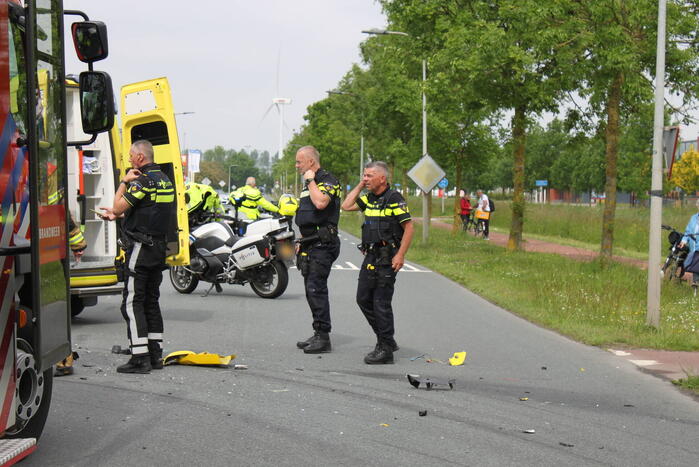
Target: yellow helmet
[{"x": 288, "y": 205}]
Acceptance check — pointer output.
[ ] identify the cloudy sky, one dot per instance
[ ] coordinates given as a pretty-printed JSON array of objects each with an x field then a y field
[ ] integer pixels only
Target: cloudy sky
[{"x": 221, "y": 57}]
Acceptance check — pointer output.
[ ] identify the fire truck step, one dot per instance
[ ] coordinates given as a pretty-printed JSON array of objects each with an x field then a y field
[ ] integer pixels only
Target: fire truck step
[{"x": 14, "y": 450}]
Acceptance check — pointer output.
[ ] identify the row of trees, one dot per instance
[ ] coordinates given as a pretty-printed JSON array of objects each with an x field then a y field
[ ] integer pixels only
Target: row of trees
[
  {"x": 218, "y": 163},
  {"x": 494, "y": 68}
]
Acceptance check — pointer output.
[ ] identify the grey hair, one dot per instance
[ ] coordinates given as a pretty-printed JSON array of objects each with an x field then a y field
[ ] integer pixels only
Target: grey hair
[
  {"x": 251, "y": 181},
  {"x": 146, "y": 147},
  {"x": 379, "y": 165},
  {"x": 311, "y": 152}
]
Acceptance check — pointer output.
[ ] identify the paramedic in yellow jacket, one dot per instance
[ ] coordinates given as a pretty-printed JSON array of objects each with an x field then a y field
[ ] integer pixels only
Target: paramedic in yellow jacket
[{"x": 248, "y": 198}]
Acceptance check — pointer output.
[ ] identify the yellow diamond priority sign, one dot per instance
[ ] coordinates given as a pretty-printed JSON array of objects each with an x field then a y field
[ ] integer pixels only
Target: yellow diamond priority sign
[{"x": 426, "y": 173}]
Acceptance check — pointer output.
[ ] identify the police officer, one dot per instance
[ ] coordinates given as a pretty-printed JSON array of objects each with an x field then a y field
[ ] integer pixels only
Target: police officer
[
  {"x": 386, "y": 236},
  {"x": 319, "y": 246},
  {"x": 202, "y": 202},
  {"x": 247, "y": 198},
  {"x": 146, "y": 199}
]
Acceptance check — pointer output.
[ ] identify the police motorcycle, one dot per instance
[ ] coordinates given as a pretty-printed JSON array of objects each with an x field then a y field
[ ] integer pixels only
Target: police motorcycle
[{"x": 228, "y": 250}]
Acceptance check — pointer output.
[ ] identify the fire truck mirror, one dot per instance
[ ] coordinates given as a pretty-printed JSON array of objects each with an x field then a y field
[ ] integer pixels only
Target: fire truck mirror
[
  {"x": 90, "y": 39},
  {"x": 96, "y": 102}
]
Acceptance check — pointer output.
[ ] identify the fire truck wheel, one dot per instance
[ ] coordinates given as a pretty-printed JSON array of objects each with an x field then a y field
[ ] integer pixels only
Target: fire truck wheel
[
  {"x": 76, "y": 305},
  {"x": 34, "y": 394}
]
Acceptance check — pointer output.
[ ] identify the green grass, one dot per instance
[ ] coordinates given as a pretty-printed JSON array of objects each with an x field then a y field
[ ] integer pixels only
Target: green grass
[
  {"x": 578, "y": 223},
  {"x": 602, "y": 307},
  {"x": 690, "y": 382}
]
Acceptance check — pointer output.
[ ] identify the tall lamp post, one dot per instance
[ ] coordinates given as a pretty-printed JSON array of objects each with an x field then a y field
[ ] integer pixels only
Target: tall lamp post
[
  {"x": 230, "y": 183},
  {"x": 361, "y": 138},
  {"x": 425, "y": 206},
  {"x": 656, "y": 190},
  {"x": 184, "y": 145}
]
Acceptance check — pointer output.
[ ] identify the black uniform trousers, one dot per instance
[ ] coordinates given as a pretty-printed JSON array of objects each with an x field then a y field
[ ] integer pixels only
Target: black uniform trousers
[
  {"x": 139, "y": 306},
  {"x": 321, "y": 257},
  {"x": 374, "y": 296}
]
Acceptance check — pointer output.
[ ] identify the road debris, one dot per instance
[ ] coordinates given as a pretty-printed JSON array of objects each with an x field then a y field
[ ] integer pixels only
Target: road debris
[
  {"x": 458, "y": 359},
  {"x": 524, "y": 398},
  {"x": 240, "y": 367},
  {"x": 566, "y": 445},
  {"x": 187, "y": 357},
  {"x": 416, "y": 380},
  {"x": 118, "y": 350},
  {"x": 422, "y": 413},
  {"x": 385, "y": 425},
  {"x": 412, "y": 359},
  {"x": 529, "y": 432}
]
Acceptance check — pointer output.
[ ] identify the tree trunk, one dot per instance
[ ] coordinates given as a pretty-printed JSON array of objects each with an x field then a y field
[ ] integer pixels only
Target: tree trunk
[
  {"x": 519, "y": 123},
  {"x": 404, "y": 184},
  {"x": 456, "y": 225},
  {"x": 611, "y": 153}
]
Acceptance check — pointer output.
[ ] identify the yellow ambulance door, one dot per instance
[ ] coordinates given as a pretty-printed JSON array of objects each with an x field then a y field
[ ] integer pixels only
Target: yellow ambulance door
[{"x": 147, "y": 113}]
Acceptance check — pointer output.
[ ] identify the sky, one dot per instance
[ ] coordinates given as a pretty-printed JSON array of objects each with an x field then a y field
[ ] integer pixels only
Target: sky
[{"x": 221, "y": 59}]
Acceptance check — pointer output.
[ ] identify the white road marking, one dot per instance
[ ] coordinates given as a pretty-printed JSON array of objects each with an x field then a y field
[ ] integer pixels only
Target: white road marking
[
  {"x": 644, "y": 362},
  {"x": 619, "y": 353},
  {"x": 352, "y": 266}
]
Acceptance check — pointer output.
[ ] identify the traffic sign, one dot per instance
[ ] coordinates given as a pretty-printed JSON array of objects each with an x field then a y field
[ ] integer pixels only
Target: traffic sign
[
  {"x": 206, "y": 181},
  {"x": 221, "y": 183},
  {"x": 426, "y": 173},
  {"x": 443, "y": 183},
  {"x": 542, "y": 183}
]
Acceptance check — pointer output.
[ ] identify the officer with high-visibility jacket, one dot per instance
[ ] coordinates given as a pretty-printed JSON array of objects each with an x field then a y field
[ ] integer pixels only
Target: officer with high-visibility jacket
[
  {"x": 76, "y": 243},
  {"x": 319, "y": 247},
  {"x": 248, "y": 198},
  {"x": 146, "y": 200},
  {"x": 202, "y": 197},
  {"x": 386, "y": 235}
]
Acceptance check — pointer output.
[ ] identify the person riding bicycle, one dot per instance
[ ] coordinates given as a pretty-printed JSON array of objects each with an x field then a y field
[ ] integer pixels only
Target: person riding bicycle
[
  {"x": 483, "y": 212},
  {"x": 691, "y": 263},
  {"x": 465, "y": 209}
]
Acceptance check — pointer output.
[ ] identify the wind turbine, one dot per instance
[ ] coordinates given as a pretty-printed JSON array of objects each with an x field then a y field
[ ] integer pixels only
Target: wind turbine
[{"x": 279, "y": 103}]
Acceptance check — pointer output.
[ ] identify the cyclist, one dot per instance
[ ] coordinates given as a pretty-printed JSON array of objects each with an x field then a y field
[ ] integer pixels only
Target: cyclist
[{"x": 465, "y": 209}]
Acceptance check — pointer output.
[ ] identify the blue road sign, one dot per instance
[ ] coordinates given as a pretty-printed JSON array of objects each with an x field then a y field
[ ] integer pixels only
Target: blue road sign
[
  {"x": 542, "y": 183},
  {"x": 443, "y": 183}
]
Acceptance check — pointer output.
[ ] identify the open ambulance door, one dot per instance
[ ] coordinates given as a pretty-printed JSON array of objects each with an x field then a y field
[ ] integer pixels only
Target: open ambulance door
[{"x": 147, "y": 113}]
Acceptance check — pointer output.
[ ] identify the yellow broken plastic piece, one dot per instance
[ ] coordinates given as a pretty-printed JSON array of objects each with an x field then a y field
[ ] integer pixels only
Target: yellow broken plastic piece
[
  {"x": 457, "y": 359},
  {"x": 187, "y": 357}
]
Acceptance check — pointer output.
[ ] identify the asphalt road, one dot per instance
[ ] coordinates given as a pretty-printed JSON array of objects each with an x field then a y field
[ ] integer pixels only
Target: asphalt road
[{"x": 584, "y": 405}]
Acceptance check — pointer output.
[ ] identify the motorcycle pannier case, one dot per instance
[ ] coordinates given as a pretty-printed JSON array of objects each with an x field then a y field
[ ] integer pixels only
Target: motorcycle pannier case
[{"x": 250, "y": 252}]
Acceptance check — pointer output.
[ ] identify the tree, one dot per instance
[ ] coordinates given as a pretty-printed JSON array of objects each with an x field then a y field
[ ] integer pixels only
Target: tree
[
  {"x": 685, "y": 172},
  {"x": 616, "y": 59}
]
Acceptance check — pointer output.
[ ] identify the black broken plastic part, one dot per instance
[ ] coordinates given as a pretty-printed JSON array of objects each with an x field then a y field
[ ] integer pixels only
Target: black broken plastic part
[
  {"x": 118, "y": 350},
  {"x": 416, "y": 380}
]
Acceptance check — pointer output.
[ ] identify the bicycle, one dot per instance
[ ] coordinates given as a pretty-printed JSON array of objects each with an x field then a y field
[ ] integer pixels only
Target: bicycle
[{"x": 673, "y": 268}]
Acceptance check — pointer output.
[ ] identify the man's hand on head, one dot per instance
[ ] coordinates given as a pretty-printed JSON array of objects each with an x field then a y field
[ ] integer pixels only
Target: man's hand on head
[{"x": 309, "y": 174}]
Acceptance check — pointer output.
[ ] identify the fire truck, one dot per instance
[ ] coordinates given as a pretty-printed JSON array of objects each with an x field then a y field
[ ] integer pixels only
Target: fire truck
[{"x": 34, "y": 285}]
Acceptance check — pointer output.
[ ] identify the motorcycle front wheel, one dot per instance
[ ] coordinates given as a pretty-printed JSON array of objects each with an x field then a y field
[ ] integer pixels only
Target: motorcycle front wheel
[
  {"x": 271, "y": 280},
  {"x": 182, "y": 280}
]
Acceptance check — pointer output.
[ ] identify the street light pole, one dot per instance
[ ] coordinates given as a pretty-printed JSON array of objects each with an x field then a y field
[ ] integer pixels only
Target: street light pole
[
  {"x": 425, "y": 200},
  {"x": 656, "y": 190}
]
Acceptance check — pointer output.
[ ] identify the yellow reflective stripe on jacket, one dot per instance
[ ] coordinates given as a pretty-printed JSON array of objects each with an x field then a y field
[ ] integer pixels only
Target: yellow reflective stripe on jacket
[
  {"x": 53, "y": 198},
  {"x": 329, "y": 189},
  {"x": 76, "y": 240}
]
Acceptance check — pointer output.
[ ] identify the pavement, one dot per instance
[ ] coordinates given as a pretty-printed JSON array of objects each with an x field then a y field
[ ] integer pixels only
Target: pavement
[{"x": 665, "y": 364}]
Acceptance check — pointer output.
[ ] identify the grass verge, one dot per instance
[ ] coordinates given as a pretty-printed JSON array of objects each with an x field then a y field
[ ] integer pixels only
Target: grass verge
[
  {"x": 690, "y": 383},
  {"x": 596, "y": 306}
]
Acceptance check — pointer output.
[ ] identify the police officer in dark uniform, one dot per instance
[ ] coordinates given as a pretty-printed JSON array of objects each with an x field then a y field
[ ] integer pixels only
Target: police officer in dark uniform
[
  {"x": 319, "y": 246},
  {"x": 146, "y": 200},
  {"x": 386, "y": 235}
]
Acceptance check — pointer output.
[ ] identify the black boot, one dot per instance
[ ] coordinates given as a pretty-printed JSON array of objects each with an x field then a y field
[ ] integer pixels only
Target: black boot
[
  {"x": 304, "y": 344},
  {"x": 382, "y": 354},
  {"x": 136, "y": 364},
  {"x": 319, "y": 343},
  {"x": 393, "y": 344},
  {"x": 156, "y": 355}
]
